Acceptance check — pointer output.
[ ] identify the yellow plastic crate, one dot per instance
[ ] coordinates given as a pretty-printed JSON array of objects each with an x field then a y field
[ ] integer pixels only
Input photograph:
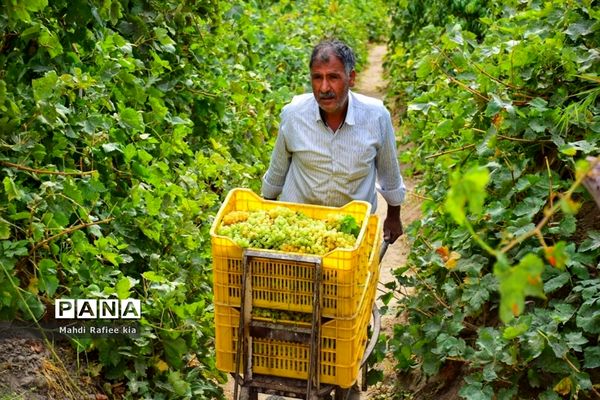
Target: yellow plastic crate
[
  {"x": 288, "y": 285},
  {"x": 343, "y": 340}
]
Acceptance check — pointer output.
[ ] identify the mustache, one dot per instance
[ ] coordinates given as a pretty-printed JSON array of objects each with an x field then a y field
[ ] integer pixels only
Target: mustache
[{"x": 326, "y": 95}]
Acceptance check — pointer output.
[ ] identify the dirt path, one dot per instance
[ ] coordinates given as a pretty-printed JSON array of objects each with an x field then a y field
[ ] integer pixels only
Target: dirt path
[{"x": 371, "y": 82}]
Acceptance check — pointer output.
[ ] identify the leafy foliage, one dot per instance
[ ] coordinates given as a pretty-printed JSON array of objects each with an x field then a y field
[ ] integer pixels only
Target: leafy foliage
[
  {"x": 122, "y": 126},
  {"x": 502, "y": 119}
]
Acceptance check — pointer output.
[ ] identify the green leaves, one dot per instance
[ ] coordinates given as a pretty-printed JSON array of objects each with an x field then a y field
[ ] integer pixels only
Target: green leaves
[
  {"x": 50, "y": 41},
  {"x": 122, "y": 288},
  {"x": 174, "y": 350},
  {"x": 348, "y": 225},
  {"x": 45, "y": 87},
  {"x": 467, "y": 192},
  {"x": 22, "y": 9},
  {"x": 581, "y": 28},
  {"x": 11, "y": 190},
  {"x": 588, "y": 317},
  {"x": 48, "y": 279},
  {"x": 131, "y": 120},
  {"x": 592, "y": 357},
  {"x": 517, "y": 329}
]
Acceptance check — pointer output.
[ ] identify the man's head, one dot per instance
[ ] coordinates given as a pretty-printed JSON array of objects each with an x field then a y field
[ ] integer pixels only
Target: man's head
[
  {"x": 327, "y": 48},
  {"x": 332, "y": 75}
]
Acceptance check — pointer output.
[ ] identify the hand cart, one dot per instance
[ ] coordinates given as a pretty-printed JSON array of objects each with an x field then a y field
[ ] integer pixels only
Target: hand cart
[{"x": 248, "y": 386}]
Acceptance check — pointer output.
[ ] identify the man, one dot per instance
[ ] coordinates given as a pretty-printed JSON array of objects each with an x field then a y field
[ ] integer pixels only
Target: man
[{"x": 334, "y": 144}]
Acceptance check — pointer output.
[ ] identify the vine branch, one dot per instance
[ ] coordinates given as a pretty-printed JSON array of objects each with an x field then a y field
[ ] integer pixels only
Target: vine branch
[
  {"x": 67, "y": 231},
  {"x": 468, "y": 146},
  {"x": 439, "y": 299},
  {"x": 45, "y": 171},
  {"x": 550, "y": 212},
  {"x": 517, "y": 89},
  {"x": 466, "y": 87},
  {"x": 515, "y": 139},
  {"x": 418, "y": 196}
]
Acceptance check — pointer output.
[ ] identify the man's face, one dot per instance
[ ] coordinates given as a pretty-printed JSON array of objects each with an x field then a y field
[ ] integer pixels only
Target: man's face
[{"x": 330, "y": 84}]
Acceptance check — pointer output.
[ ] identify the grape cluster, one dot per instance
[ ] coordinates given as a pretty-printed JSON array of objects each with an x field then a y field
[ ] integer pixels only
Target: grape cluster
[
  {"x": 284, "y": 229},
  {"x": 280, "y": 315}
]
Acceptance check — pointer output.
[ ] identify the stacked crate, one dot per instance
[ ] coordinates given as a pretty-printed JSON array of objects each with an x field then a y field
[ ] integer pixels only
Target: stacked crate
[{"x": 280, "y": 283}]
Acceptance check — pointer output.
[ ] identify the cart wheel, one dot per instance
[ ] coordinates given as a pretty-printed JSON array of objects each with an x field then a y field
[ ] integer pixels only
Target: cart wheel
[
  {"x": 340, "y": 394},
  {"x": 363, "y": 382},
  {"x": 347, "y": 394},
  {"x": 247, "y": 393}
]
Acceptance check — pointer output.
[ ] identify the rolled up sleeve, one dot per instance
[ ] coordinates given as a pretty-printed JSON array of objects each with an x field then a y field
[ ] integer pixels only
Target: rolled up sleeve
[
  {"x": 270, "y": 190},
  {"x": 393, "y": 197},
  {"x": 274, "y": 179},
  {"x": 391, "y": 185}
]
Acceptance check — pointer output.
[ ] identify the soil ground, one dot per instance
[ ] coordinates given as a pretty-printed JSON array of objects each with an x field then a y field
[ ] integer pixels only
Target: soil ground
[{"x": 33, "y": 369}]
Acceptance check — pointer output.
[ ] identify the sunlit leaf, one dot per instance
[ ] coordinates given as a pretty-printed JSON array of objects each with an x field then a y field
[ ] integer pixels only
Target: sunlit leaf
[
  {"x": 11, "y": 189},
  {"x": 512, "y": 332},
  {"x": 557, "y": 255},
  {"x": 49, "y": 40},
  {"x": 122, "y": 288},
  {"x": 45, "y": 87},
  {"x": 564, "y": 386},
  {"x": 518, "y": 282},
  {"x": 4, "y": 229},
  {"x": 131, "y": 119},
  {"x": 465, "y": 191}
]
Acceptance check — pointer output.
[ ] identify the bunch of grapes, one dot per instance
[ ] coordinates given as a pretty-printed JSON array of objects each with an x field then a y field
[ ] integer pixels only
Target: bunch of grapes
[
  {"x": 280, "y": 315},
  {"x": 284, "y": 229}
]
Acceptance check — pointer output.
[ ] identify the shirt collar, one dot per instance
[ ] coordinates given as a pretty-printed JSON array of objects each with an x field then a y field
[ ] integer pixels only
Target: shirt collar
[{"x": 350, "y": 114}]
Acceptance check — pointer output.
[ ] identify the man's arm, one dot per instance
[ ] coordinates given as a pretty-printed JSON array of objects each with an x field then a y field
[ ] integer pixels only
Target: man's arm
[
  {"x": 392, "y": 186},
  {"x": 274, "y": 178},
  {"x": 392, "y": 226}
]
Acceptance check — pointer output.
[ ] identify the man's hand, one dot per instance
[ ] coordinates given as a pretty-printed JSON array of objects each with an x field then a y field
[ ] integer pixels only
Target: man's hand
[{"x": 392, "y": 226}]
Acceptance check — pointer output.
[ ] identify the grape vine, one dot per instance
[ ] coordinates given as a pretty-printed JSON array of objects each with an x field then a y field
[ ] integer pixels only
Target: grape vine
[
  {"x": 123, "y": 124},
  {"x": 504, "y": 266}
]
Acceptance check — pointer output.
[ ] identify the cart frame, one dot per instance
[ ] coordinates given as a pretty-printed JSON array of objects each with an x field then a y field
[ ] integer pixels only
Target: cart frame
[{"x": 250, "y": 385}]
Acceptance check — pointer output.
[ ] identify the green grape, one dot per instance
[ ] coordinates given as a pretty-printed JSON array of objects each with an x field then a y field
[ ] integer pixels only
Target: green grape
[{"x": 284, "y": 229}]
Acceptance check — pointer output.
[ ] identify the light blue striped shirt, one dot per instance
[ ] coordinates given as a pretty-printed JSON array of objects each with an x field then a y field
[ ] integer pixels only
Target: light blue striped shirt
[{"x": 312, "y": 164}]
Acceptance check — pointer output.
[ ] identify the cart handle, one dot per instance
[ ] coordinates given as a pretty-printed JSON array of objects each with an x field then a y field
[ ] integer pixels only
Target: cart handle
[
  {"x": 374, "y": 336},
  {"x": 376, "y": 315},
  {"x": 384, "y": 246}
]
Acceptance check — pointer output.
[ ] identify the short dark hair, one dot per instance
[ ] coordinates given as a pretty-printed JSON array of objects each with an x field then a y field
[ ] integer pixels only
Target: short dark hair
[{"x": 339, "y": 49}]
